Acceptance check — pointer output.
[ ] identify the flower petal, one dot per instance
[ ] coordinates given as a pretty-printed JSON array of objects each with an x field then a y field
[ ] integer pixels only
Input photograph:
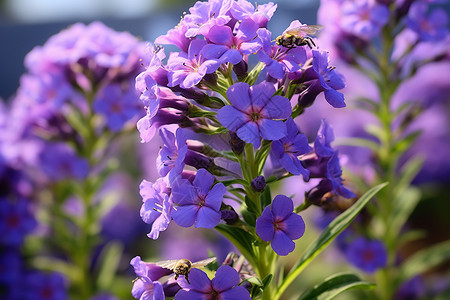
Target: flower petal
[
  {"x": 282, "y": 244},
  {"x": 203, "y": 182},
  {"x": 264, "y": 225},
  {"x": 185, "y": 216},
  {"x": 249, "y": 132},
  {"x": 199, "y": 281},
  {"x": 215, "y": 196},
  {"x": 207, "y": 218},
  {"x": 191, "y": 295},
  {"x": 231, "y": 118},
  {"x": 226, "y": 277},
  {"x": 294, "y": 226},
  {"x": 278, "y": 107},
  {"x": 272, "y": 130},
  {"x": 335, "y": 98},
  {"x": 238, "y": 292},
  {"x": 282, "y": 207}
]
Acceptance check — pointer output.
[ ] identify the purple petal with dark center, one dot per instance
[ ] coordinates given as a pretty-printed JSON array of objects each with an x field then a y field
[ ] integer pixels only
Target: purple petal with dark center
[
  {"x": 249, "y": 133},
  {"x": 264, "y": 225},
  {"x": 226, "y": 277},
  {"x": 185, "y": 215},
  {"x": 191, "y": 295},
  {"x": 282, "y": 207},
  {"x": 231, "y": 118},
  {"x": 282, "y": 244},
  {"x": 203, "y": 182}
]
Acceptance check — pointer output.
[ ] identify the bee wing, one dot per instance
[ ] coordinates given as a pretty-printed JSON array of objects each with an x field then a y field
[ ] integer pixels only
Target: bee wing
[
  {"x": 167, "y": 264},
  {"x": 204, "y": 262},
  {"x": 307, "y": 29}
]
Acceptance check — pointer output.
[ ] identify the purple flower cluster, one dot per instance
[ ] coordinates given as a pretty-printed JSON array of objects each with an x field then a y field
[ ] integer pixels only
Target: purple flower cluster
[
  {"x": 85, "y": 71},
  {"x": 219, "y": 117}
]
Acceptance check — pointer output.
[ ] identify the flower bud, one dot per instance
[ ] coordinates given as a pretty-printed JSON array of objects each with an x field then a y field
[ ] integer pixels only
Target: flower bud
[
  {"x": 229, "y": 216},
  {"x": 237, "y": 145},
  {"x": 258, "y": 184}
]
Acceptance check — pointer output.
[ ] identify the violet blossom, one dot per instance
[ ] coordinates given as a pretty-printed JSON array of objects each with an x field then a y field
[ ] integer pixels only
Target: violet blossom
[
  {"x": 254, "y": 112},
  {"x": 228, "y": 47},
  {"x": 431, "y": 28},
  {"x": 280, "y": 225},
  {"x": 261, "y": 15},
  {"x": 198, "y": 202},
  {"x": 223, "y": 286},
  {"x": 279, "y": 60},
  {"x": 286, "y": 150},
  {"x": 157, "y": 205},
  {"x": 147, "y": 286},
  {"x": 367, "y": 255}
]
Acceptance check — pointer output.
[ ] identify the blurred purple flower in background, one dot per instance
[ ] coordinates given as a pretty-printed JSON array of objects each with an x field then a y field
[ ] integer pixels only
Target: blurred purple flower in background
[
  {"x": 42, "y": 286},
  {"x": 367, "y": 255},
  {"x": 16, "y": 221},
  {"x": 432, "y": 28}
]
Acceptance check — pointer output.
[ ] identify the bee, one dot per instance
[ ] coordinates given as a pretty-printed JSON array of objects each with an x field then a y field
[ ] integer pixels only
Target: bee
[
  {"x": 299, "y": 36},
  {"x": 183, "y": 266}
]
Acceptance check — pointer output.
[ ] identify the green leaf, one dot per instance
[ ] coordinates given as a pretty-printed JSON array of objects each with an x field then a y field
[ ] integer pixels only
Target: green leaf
[
  {"x": 251, "y": 206},
  {"x": 404, "y": 205},
  {"x": 241, "y": 239},
  {"x": 267, "y": 280},
  {"x": 266, "y": 197},
  {"x": 405, "y": 143},
  {"x": 335, "y": 285},
  {"x": 424, "y": 260},
  {"x": 327, "y": 236},
  {"x": 249, "y": 217},
  {"x": 408, "y": 172},
  {"x": 109, "y": 262},
  {"x": 375, "y": 131}
]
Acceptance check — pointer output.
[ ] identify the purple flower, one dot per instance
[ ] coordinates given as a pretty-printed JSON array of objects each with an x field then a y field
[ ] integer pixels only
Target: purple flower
[
  {"x": 334, "y": 175},
  {"x": 41, "y": 286},
  {"x": 118, "y": 105},
  {"x": 10, "y": 266},
  {"x": 16, "y": 221},
  {"x": 322, "y": 144},
  {"x": 187, "y": 69},
  {"x": 177, "y": 37},
  {"x": 279, "y": 60},
  {"x": 197, "y": 202},
  {"x": 280, "y": 225},
  {"x": 243, "y": 9},
  {"x": 432, "y": 28},
  {"x": 227, "y": 47},
  {"x": 148, "y": 125},
  {"x": 204, "y": 15},
  {"x": 286, "y": 150},
  {"x": 146, "y": 287},
  {"x": 255, "y": 112},
  {"x": 59, "y": 162},
  {"x": 364, "y": 18},
  {"x": 157, "y": 205},
  {"x": 367, "y": 255},
  {"x": 223, "y": 286},
  {"x": 172, "y": 154},
  {"x": 330, "y": 80}
]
